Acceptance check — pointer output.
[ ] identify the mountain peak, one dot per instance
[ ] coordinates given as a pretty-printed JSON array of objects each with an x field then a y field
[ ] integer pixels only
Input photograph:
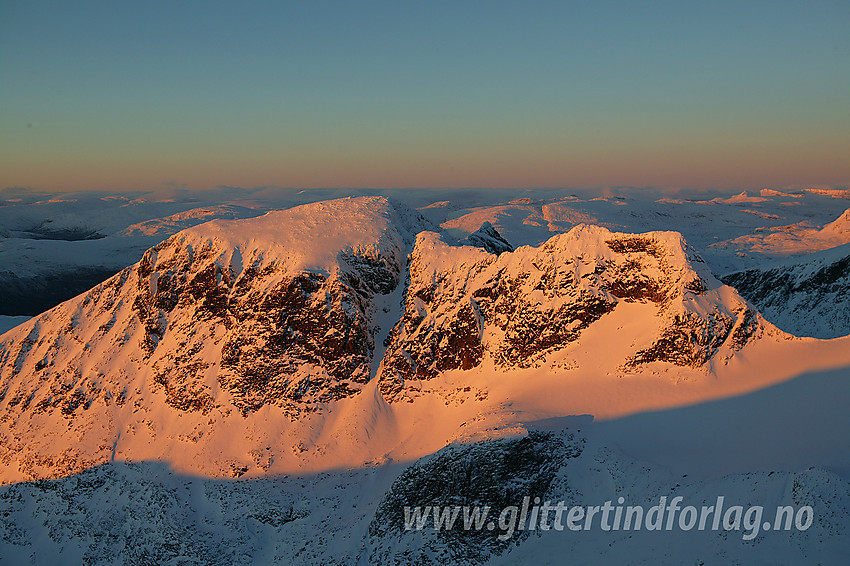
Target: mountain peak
[
  {"x": 310, "y": 236},
  {"x": 488, "y": 237},
  {"x": 839, "y": 226},
  {"x": 466, "y": 308}
]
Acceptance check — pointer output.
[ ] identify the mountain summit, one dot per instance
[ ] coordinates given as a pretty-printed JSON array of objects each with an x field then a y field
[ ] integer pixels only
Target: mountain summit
[{"x": 465, "y": 306}]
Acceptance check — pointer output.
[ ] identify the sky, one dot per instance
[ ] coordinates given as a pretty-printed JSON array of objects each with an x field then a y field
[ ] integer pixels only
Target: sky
[{"x": 130, "y": 95}]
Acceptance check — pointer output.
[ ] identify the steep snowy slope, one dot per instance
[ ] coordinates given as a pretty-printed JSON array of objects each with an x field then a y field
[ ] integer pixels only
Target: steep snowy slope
[
  {"x": 806, "y": 296},
  {"x": 144, "y": 513}
]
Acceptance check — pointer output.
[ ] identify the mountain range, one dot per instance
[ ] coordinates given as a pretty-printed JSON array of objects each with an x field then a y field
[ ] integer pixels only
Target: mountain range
[{"x": 357, "y": 346}]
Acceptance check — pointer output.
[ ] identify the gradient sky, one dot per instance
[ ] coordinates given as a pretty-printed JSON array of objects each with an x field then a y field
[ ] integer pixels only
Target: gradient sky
[{"x": 128, "y": 95}]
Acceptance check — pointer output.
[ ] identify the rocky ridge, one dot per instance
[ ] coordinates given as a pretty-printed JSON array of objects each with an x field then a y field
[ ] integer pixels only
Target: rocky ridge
[{"x": 465, "y": 305}]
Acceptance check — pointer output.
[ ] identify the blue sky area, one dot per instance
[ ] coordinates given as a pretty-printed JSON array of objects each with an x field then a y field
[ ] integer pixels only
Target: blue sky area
[{"x": 126, "y": 95}]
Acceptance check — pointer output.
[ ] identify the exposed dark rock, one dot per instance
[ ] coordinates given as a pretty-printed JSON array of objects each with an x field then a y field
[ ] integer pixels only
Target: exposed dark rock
[
  {"x": 631, "y": 283},
  {"x": 488, "y": 237},
  {"x": 635, "y": 243},
  {"x": 445, "y": 317},
  {"x": 531, "y": 332},
  {"x": 810, "y": 297},
  {"x": 306, "y": 323},
  {"x": 301, "y": 340},
  {"x": 748, "y": 326},
  {"x": 496, "y": 474},
  {"x": 689, "y": 340}
]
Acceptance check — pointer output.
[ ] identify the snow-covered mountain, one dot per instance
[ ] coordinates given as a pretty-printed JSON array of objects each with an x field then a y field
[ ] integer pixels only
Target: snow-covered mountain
[
  {"x": 344, "y": 354},
  {"x": 465, "y": 305},
  {"x": 273, "y": 311},
  {"x": 257, "y": 346},
  {"x": 806, "y": 295}
]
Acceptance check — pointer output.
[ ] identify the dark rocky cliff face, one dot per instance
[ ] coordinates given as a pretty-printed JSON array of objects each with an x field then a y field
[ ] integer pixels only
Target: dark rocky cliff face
[
  {"x": 283, "y": 338},
  {"x": 493, "y": 474}
]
